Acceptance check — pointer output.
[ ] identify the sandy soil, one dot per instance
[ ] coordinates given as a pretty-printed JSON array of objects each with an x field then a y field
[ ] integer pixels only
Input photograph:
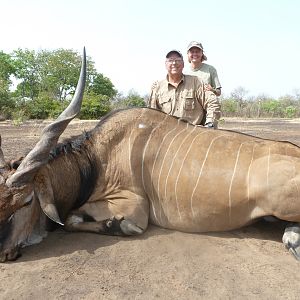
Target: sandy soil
[{"x": 249, "y": 263}]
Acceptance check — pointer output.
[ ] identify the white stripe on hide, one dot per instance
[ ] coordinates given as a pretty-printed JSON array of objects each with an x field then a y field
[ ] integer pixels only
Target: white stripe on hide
[
  {"x": 200, "y": 173},
  {"x": 231, "y": 181},
  {"x": 143, "y": 160},
  {"x": 171, "y": 165},
  {"x": 182, "y": 164},
  {"x": 153, "y": 167},
  {"x": 162, "y": 165}
]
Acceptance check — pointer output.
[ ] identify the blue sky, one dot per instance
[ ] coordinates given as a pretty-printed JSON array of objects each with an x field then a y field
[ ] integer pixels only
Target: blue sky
[{"x": 254, "y": 44}]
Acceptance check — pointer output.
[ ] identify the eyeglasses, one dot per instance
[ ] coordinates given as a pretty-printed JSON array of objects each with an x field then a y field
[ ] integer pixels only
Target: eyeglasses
[{"x": 175, "y": 60}]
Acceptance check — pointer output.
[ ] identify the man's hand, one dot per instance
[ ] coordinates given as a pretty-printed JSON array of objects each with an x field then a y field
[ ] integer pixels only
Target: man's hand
[{"x": 208, "y": 87}]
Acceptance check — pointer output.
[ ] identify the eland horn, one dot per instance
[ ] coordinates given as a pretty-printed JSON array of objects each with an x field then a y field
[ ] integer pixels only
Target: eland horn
[{"x": 39, "y": 155}]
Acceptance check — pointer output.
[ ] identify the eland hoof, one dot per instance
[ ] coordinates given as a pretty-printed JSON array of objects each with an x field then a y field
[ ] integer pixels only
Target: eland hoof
[
  {"x": 291, "y": 240},
  {"x": 10, "y": 254},
  {"x": 129, "y": 228}
]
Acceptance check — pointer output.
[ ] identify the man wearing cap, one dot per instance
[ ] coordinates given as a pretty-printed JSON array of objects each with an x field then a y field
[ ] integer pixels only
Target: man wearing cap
[
  {"x": 205, "y": 71},
  {"x": 184, "y": 96}
]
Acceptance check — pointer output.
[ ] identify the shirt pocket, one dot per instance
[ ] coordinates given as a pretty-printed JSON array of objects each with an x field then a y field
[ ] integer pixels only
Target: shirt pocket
[
  {"x": 165, "y": 104},
  {"x": 188, "y": 100}
]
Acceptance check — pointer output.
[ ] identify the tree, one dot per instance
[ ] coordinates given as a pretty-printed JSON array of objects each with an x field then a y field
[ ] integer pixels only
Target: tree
[
  {"x": 6, "y": 67},
  {"x": 228, "y": 107},
  {"x": 94, "y": 106},
  {"x": 6, "y": 70},
  {"x": 101, "y": 85},
  {"x": 27, "y": 70},
  {"x": 54, "y": 73},
  {"x": 238, "y": 95},
  {"x": 62, "y": 71},
  {"x": 133, "y": 99}
]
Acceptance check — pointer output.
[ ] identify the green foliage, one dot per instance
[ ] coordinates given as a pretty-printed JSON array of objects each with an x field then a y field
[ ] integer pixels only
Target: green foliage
[
  {"x": 101, "y": 85},
  {"x": 264, "y": 107},
  {"x": 52, "y": 72},
  {"x": 229, "y": 107},
  {"x": 6, "y": 67},
  {"x": 94, "y": 106},
  {"x": 27, "y": 70},
  {"x": 18, "y": 117},
  {"x": 7, "y": 106},
  {"x": 272, "y": 107},
  {"x": 5, "y": 112},
  {"x": 291, "y": 111},
  {"x": 42, "y": 108},
  {"x": 133, "y": 99},
  {"x": 62, "y": 71},
  {"x": 6, "y": 70},
  {"x": 46, "y": 79}
]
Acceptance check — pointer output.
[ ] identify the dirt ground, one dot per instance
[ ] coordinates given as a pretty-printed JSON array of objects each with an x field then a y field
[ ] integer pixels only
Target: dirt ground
[{"x": 249, "y": 263}]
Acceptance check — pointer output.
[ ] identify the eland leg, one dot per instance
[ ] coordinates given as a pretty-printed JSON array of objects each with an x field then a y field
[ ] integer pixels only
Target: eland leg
[
  {"x": 124, "y": 214},
  {"x": 291, "y": 239},
  {"x": 116, "y": 225}
]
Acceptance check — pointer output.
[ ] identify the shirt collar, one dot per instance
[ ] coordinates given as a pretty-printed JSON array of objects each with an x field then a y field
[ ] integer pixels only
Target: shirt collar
[{"x": 181, "y": 80}]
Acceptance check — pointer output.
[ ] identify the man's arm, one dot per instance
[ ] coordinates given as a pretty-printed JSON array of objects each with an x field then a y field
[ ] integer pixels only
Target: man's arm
[
  {"x": 216, "y": 82},
  {"x": 210, "y": 104},
  {"x": 212, "y": 107},
  {"x": 152, "y": 98}
]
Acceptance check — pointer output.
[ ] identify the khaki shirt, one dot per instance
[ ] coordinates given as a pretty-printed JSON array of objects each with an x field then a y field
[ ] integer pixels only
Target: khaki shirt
[{"x": 188, "y": 101}]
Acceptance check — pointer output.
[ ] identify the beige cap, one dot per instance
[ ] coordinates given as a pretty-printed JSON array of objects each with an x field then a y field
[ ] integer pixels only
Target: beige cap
[
  {"x": 195, "y": 44},
  {"x": 174, "y": 51}
]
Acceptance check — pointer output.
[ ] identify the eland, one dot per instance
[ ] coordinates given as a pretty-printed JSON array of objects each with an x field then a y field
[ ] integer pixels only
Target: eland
[{"x": 141, "y": 165}]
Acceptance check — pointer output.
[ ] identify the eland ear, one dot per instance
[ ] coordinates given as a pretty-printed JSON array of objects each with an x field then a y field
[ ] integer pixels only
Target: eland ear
[
  {"x": 51, "y": 212},
  {"x": 44, "y": 195}
]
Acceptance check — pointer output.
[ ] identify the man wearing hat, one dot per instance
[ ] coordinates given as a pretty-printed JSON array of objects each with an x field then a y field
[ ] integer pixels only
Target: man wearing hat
[
  {"x": 184, "y": 96},
  {"x": 204, "y": 71}
]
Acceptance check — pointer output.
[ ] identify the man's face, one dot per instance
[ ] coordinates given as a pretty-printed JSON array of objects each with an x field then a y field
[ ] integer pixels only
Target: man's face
[
  {"x": 195, "y": 54},
  {"x": 174, "y": 64}
]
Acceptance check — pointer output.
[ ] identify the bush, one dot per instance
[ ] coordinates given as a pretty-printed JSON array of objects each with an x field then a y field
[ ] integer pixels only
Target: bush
[
  {"x": 133, "y": 99},
  {"x": 42, "y": 108},
  {"x": 18, "y": 117},
  {"x": 94, "y": 106},
  {"x": 229, "y": 107},
  {"x": 5, "y": 113},
  {"x": 273, "y": 108},
  {"x": 7, "y": 106},
  {"x": 291, "y": 112}
]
